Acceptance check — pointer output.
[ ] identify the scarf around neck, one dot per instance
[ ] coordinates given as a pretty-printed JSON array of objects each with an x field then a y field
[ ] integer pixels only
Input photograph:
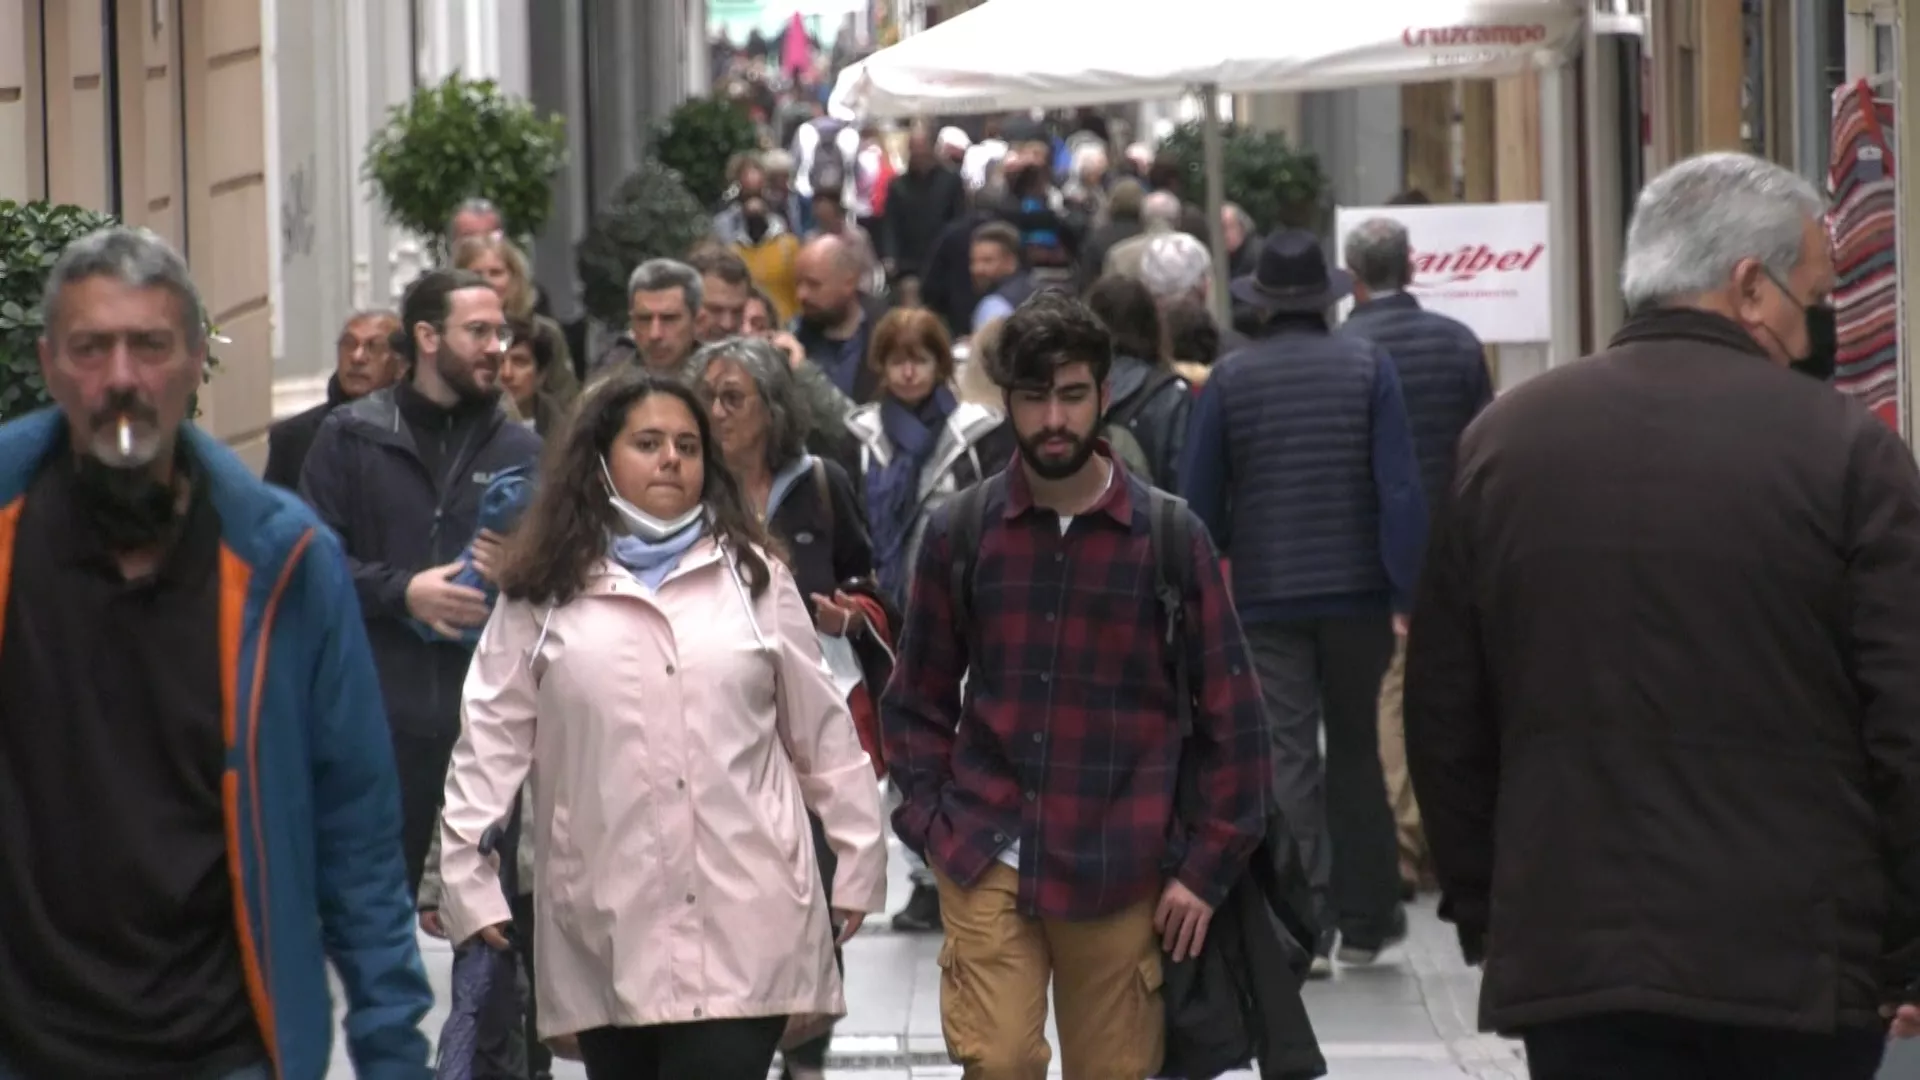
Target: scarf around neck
[
  {"x": 650, "y": 561},
  {"x": 893, "y": 489}
]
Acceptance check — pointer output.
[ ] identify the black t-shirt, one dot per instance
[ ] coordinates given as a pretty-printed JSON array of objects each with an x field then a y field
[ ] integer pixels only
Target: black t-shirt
[{"x": 119, "y": 954}]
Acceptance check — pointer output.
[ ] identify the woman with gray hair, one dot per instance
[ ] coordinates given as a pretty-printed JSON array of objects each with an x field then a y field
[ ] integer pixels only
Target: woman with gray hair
[{"x": 761, "y": 421}]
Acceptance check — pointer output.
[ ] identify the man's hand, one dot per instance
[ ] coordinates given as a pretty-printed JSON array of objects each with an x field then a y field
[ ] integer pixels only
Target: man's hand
[
  {"x": 489, "y": 548},
  {"x": 838, "y": 615},
  {"x": 1400, "y": 624},
  {"x": 434, "y": 599},
  {"x": 430, "y": 922},
  {"x": 787, "y": 343},
  {"x": 495, "y": 937},
  {"x": 1181, "y": 921},
  {"x": 849, "y": 924},
  {"x": 1906, "y": 1020}
]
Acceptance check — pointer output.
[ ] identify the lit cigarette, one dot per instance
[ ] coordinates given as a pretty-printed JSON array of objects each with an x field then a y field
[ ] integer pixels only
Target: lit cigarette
[{"x": 126, "y": 437}]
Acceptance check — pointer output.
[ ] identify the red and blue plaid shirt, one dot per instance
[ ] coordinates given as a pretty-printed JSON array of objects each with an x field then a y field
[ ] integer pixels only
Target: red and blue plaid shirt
[{"x": 1068, "y": 741}]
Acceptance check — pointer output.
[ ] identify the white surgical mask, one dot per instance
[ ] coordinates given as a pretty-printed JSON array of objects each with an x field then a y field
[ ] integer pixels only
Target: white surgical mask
[{"x": 642, "y": 524}]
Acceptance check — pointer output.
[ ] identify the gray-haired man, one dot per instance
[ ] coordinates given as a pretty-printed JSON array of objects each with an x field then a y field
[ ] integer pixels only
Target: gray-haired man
[
  {"x": 663, "y": 306},
  {"x": 1443, "y": 377},
  {"x": 1663, "y": 680}
]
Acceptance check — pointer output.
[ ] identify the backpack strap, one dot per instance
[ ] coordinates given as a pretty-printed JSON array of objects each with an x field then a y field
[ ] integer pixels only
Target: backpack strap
[
  {"x": 1171, "y": 536},
  {"x": 964, "y": 529},
  {"x": 824, "y": 491}
]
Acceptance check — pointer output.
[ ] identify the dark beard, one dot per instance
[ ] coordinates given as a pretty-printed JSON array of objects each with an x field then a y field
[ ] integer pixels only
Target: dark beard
[
  {"x": 1055, "y": 470},
  {"x": 460, "y": 381},
  {"x": 127, "y": 508}
]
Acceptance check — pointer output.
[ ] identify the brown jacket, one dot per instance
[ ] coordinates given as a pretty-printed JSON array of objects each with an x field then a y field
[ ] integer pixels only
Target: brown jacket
[{"x": 1663, "y": 691}]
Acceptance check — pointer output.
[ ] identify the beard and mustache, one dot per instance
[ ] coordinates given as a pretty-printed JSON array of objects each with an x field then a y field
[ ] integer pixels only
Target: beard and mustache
[
  {"x": 1049, "y": 465},
  {"x": 113, "y": 482}
]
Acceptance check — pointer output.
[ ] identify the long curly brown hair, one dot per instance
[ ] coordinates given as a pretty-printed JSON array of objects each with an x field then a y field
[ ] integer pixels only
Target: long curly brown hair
[{"x": 564, "y": 533}]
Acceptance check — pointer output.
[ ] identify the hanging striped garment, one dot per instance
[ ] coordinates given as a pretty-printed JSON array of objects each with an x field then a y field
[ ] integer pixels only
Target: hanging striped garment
[{"x": 1864, "y": 228}]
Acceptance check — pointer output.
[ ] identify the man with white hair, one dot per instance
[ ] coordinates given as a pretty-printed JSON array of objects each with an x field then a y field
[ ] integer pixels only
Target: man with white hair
[
  {"x": 1663, "y": 684},
  {"x": 1177, "y": 270},
  {"x": 1159, "y": 215}
]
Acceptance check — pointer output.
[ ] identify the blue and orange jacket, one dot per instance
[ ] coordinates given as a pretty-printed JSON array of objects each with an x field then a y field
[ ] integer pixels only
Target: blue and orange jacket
[{"x": 311, "y": 797}]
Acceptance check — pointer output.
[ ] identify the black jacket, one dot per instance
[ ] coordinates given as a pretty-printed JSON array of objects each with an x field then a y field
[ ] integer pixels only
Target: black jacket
[
  {"x": 289, "y": 440},
  {"x": 826, "y": 541},
  {"x": 1154, "y": 403},
  {"x": 919, "y": 206},
  {"x": 946, "y": 281},
  {"x": 367, "y": 480},
  {"x": 1662, "y": 691}
]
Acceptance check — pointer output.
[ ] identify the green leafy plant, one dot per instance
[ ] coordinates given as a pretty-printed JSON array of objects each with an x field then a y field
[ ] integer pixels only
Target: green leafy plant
[
  {"x": 465, "y": 139},
  {"x": 1277, "y": 185},
  {"x": 32, "y": 236},
  {"x": 699, "y": 138},
  {"x": 651, "y": 216}
]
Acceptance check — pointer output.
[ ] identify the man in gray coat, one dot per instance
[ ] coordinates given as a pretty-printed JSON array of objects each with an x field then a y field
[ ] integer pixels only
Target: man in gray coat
[{"x": 1663, "y": 679}]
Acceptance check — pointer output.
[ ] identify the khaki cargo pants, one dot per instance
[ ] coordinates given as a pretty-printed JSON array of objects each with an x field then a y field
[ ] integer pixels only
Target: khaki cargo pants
[
  {"x": 1416, "y": 862},
  {"x": 994, "y": 968}
]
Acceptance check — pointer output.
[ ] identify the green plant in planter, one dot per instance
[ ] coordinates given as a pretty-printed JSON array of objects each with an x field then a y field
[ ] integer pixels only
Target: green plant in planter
[
  {"x": 651, "y": 216},
  {"x": 32, "y": 236},
  {"x": 698, "y": 140},
  {"x": 1277, "y": 185},
  {"x": 460, "y": 140}
]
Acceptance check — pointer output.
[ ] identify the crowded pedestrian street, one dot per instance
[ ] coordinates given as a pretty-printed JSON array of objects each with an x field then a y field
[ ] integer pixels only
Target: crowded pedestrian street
[
  {"x": 960, "y": 539},
  {"x": 1409, "y": 1018}
]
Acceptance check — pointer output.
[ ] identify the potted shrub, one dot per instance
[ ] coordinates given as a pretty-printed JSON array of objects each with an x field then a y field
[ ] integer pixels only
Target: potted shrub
[
  {"x": 699, "y": 138},
  {"x": 32, "y": 236},
  {"x": 651, "y": 216},
  {"x": 1277, "y": 185},
  {"x": 460, "y": 140}
]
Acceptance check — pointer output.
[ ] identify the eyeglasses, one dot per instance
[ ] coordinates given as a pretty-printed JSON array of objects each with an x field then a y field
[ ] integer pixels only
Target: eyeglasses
[
  {"x": 487, "y": 332},
  {"x": 729, "y": 400}
]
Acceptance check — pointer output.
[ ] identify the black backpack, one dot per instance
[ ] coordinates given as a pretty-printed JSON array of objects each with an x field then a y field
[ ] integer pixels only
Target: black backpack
[{"x": 1125, "y": 418}]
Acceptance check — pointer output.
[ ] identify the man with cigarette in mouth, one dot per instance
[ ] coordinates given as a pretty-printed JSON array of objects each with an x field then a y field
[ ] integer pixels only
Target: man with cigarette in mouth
[{"x": 198, "y": 810}]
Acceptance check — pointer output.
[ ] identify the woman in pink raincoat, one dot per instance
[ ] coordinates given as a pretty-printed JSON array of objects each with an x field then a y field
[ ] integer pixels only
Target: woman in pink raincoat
[{"x": 654, "y": 666}]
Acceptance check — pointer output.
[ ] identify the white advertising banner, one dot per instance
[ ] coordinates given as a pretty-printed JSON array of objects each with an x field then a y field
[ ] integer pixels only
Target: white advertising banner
[{"x": 1484, "y": 264}]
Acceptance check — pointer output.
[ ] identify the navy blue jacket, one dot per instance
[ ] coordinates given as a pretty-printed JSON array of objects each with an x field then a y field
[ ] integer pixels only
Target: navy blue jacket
[
  {"x": 1443, "y": 376},
  {"x": 367, "y": 481},
  {"x": 1299, "y": 458}
]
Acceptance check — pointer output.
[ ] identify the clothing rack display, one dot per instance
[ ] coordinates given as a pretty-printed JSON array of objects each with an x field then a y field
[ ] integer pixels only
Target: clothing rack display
[{"x": 1864, "y": 226}]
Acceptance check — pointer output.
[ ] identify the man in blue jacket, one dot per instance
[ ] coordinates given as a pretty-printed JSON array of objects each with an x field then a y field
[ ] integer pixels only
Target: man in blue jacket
[
  {"x": 198, "y": 808},
  {"x": 1299, "y": 458}
]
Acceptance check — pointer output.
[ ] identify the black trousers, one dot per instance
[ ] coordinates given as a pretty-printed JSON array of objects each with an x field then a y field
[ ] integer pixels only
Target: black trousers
[
  {"x": 421, "y": 761},
  {"x": 1325, "y": 673},
  {"x": 703, "y": 1050},
  {"x": 1637, "y": 1046}
]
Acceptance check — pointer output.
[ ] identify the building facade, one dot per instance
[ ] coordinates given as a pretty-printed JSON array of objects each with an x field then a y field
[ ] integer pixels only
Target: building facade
[
  {"x": 237, "y": 129},
  {"x": 154, "y": 112},
  {"x": 336, "y": 67}
]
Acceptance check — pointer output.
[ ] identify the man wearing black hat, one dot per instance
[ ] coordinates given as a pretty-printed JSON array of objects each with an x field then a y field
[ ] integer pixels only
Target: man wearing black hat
[{"x": 1300, "y": 460}]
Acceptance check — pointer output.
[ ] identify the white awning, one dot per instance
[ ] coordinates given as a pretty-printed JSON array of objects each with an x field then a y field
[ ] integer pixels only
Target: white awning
[{"x": 1007, "y": 55}]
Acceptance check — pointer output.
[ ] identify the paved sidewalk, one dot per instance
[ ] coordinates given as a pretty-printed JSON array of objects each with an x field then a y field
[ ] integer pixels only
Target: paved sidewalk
[{"x": 1410, "y": 1017}]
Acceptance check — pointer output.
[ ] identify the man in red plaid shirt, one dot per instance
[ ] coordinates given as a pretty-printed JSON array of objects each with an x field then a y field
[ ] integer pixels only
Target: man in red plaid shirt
[{"x": 1045, "y": 804}]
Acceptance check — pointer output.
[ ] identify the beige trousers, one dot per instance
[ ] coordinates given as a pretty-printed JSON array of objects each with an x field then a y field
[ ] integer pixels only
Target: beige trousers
[
  {"x": 1416, "y": 862},
  {"x": 994, "y": 968}
]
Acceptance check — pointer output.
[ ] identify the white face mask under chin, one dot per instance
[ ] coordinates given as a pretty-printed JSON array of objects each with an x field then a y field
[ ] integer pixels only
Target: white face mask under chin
[{"x": 641, "y": 524}]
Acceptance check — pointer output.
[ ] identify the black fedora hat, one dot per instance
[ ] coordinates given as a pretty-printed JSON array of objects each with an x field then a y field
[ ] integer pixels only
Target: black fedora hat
[{"x": 1293, "y": 276}]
